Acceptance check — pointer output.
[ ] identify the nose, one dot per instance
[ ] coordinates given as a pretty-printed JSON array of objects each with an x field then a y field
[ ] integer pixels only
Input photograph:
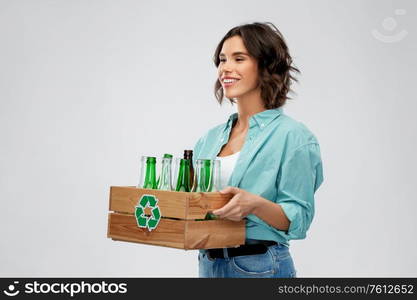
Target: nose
[{"x": 225, "y": 67}]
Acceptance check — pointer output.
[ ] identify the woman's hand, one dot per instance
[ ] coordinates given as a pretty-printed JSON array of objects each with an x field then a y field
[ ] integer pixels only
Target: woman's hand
[{"x": 242, "y": 204}]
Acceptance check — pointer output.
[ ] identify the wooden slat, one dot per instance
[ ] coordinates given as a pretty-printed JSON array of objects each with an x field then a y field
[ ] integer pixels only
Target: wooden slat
[
  {"x": 169, "y": 233},
  {"x": 214, "y": 234},
  {"x": 201, "y": 203},
  {"x": 172, "y": 204}
]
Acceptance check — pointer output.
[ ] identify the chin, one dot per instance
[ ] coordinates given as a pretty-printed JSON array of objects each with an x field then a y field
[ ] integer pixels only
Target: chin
[
  {"x": 232, "y": 95},
  {"x": 236, "y": 93}
]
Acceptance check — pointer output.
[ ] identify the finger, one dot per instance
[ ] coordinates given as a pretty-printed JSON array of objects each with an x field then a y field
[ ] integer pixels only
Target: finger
[
  {"x": 230, "y": 190},
  {"x": 236, "y": 219},
  {"x": 221, "y": 212},
  {"x": 232, "y": 215}
]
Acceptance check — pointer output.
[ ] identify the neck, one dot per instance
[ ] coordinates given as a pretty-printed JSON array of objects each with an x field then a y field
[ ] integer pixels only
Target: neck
[{"x": 247, "y": 106}]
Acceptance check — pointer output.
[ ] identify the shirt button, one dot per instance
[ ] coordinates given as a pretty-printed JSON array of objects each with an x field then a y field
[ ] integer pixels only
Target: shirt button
[{"x": 262, "y": 125}]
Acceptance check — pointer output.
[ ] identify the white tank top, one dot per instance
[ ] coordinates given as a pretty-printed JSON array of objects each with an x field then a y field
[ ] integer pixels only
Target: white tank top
[{"x": 227, "y": 164}]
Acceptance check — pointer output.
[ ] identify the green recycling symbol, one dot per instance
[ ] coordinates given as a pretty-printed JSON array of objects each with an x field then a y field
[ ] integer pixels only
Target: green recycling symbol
[{"x": 144, "y": 221}]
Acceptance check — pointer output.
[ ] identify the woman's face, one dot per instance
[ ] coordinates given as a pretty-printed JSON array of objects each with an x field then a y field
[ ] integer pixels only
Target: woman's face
[{"x": 237, "y": 71}]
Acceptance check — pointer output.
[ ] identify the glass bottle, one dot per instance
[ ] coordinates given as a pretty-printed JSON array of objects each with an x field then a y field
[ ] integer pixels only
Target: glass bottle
[
  {"x": 143, "y": 168},
  {"x": 150, "y": 174},
  {"x": 188, "y": 154},
  {"x": 183, "y": 179},
  {"x": 207, "y": 179},
  {"x": 165, "y": 177},
  {"x": 176, "y": 169},
  {"x": 199, "y": 177},
  {"x": 216, "y": 175},
  {"x": 169, "y": 156},
  {"x": 207, "y": 176}
]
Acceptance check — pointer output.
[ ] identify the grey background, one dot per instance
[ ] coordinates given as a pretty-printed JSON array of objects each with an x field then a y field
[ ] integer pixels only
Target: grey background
[{"x": 86, "y": 87}]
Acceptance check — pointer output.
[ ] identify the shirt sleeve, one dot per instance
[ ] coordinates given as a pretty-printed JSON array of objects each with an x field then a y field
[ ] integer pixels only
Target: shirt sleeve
[{"x": 301, "y": 175}]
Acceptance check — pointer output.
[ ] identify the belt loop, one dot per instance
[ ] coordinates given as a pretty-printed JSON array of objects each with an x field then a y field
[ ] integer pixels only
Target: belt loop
[{"x": 225, "y": 253}]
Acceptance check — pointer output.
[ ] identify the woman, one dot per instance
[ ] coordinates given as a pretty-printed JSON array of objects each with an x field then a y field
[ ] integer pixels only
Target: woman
[{"x": 271, "y": 162}]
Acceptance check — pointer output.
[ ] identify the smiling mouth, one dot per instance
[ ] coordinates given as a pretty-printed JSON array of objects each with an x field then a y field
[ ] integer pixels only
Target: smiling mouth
[{"x": 229, "y": 82}]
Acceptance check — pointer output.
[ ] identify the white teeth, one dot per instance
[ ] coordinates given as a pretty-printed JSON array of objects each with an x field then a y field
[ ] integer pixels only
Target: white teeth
[{"x": 229, "y": 80}]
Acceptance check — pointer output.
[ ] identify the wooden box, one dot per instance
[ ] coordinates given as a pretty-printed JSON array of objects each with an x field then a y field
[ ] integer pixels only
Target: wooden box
[{"x": 181, "y": 223}]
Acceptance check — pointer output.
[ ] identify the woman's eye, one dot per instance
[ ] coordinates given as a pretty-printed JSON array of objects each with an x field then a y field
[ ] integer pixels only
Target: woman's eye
[{"x": 237, "y": 59}]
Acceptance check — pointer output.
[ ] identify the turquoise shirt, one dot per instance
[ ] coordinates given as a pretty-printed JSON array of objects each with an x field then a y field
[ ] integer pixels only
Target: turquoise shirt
[{"x": 280, "y": 161}]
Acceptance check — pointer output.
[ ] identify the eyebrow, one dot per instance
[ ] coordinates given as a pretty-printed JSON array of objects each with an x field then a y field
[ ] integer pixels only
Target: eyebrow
[{"x": 235, "y": 53}]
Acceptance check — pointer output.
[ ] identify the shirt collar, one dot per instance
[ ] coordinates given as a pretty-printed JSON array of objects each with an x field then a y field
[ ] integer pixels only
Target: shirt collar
[{"x": 261, "y": 119}]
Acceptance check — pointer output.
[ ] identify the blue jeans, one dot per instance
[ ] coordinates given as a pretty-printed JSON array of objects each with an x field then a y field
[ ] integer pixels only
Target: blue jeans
[{"x": 275, "y": 263}]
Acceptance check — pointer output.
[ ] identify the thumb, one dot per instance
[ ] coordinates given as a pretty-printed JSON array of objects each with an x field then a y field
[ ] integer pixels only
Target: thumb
[{"x": 229, "y": 190}]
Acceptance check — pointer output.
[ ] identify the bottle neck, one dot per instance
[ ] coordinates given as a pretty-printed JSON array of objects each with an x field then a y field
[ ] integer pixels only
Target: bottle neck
[
  {"x": 150, "y": 178},
  {"x": 165, "y": 177},
  {"x": 188, "y": 154},
  {"x": 183, "y": 182}
]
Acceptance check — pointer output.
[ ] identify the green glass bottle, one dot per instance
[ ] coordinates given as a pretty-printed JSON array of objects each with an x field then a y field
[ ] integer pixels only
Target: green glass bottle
[
  {"x": 150, "y": 177},
  {"x": 188, "y": 154},
  {"x": 208, "y": 175},
  {"x": 183, "y": 180},
  {"x": 166, "y": 156},
  {"x": 204, "y": 181},
  {"x": 208, "y": 169},
  {"x": 209, "y": 181},
  {"x": 204, "y": 176},
  {"x": 199, "y": 180}
]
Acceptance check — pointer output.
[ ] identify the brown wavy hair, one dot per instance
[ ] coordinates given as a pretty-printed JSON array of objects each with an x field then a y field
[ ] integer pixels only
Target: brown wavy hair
[{"x": 266, "y": 44}]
